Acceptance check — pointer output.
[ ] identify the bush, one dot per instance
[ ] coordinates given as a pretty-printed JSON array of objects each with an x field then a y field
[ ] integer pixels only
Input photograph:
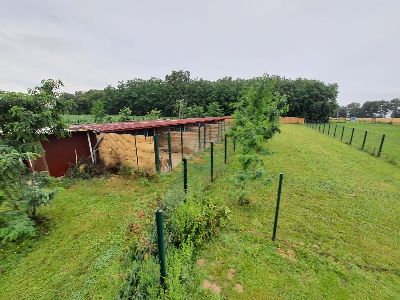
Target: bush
[
  {"x": 20, "y": 194},
  {"x": 195, "y": 220},
  {"x": 86, "y": 169}
]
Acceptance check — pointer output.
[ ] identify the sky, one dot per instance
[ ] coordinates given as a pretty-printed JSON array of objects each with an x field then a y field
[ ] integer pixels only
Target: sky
[{"x": 91, "y": 44}]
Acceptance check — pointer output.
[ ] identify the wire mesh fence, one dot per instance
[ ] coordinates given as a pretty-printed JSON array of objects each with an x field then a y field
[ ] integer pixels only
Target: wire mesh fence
[
  {"x": 370, "y": 142},
  {"x": 205, "y": 151}
]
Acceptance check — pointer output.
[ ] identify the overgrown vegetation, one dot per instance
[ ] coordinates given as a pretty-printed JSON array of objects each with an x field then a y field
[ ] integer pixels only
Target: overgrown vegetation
[
  {"x": 190, "y": 220},
  {"x": 256, "y": 120},
  {"x": 26, "y": 120}
]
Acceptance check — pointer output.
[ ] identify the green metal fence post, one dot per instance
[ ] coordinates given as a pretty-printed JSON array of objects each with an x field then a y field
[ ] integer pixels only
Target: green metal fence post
[
  {"x": 234, "y": 145},
  {"x": 161, "y": 246},
  {"x": 351, "y": 137},
  {"x": 341, "y": 137},
  {"x": 156, "y": 154},
  {"x": 329, "y": 128},
  {"x": 169, "y": 150},
  {"x": 319, "y": 127},
  {"x": 212, "y": 161},
  {"x": 205, "y": 136},
  {"x": 278, "y": 201},
  {"x": 323, "y": 131},
  {"x": 181, "y": 129},
  {"x": 364, "y": 140},
  {"x": 185, "y": 178},
  {"x": 137, "y": 157},
  {"x": 199, "y": 137},
  {"x": 334, "y": 133},
  {"x": 225, "y": 148},
  {"x": 380, "y": 146}
]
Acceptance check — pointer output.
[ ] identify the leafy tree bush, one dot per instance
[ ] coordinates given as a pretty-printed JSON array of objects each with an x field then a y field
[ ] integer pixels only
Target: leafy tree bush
[
  {"x": 26, "y": 120},
  {"x": 124, "y": 114},
  {"x": 154, "y": 114},
  {"x": 98, "y": 112},
  {"x": 256, "y": 120},
  {"x": 20, "y": 194},
  {"x": 214, "y": 110}
]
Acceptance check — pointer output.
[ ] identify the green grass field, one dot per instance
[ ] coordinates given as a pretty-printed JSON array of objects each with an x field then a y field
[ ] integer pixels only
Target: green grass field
[
  {"x": 81, "y": 256},
  {"x": 338, "y": 234},
  {"x": 89, "y": 119},
  {"x": 391, "y": 145}
]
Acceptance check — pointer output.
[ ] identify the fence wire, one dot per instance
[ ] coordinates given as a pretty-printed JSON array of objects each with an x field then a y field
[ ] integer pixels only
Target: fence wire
[{"x": 370, "y": 142}]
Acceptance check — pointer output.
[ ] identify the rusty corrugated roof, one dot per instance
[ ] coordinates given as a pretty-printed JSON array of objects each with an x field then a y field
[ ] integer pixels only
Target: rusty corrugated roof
[{"x": 138, "y": 125}]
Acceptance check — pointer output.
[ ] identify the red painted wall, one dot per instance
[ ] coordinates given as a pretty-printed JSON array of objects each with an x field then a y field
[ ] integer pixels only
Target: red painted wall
[{"x": 60, "y": 153}]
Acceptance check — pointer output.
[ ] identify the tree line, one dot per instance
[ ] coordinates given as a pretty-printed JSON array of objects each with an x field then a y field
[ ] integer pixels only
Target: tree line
[
  {"x": 372, "y": 109},
  {"x": 179, "y": 95}
]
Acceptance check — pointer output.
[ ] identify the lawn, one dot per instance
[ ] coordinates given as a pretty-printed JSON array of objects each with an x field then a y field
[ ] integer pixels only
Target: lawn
[
  {"x": 337, "y": 237},
  {"x": 391, "y": 146},
  {"x": 87, "y": 231},
  {"x": 338, "y": 234}
]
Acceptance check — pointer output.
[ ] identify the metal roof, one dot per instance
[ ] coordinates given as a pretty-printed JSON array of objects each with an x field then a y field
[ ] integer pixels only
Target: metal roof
[{"x": 138, "y": 125}]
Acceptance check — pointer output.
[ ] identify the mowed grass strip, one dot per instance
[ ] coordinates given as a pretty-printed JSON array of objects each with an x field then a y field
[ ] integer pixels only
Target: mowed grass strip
[
  {"x": 338, "y": 233},
  {"x": 82, "y": 254}
]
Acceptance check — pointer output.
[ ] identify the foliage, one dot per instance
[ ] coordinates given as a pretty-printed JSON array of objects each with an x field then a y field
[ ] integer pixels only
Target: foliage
[
  {"x": 190, "y": 220},
  {"x": 154, "y": 114},
  {"x": 195, "y": 220},
  {"x": 98, "y": 111},
  {"x": 312, "y": 99},
  {"x": 27, "y": 118},
  {"x": 372, "y": 109},
  {"x": 124, "y": 114},
  {"x": 86, "y": 169},
  {"x": 214, "y": 110},
  {"x": 183, "y": 110},
  {"x": 20, "y": 195},
  {"x": 256, "y": 120}
]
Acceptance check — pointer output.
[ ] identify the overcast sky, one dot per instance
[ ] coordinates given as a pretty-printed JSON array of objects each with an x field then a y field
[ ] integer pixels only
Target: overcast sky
[{"x": 90, "y": 44}]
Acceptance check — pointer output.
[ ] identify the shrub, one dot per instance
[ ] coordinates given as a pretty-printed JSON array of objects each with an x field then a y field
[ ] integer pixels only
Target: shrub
[
  {"x": 86, "y": 169},
  {"x": 195, "y": 220},
  {"x": 21, "y": 194}
]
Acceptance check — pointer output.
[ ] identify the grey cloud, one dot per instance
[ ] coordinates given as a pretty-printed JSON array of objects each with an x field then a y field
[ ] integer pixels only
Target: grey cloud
[{"x": 89, "y": 44}]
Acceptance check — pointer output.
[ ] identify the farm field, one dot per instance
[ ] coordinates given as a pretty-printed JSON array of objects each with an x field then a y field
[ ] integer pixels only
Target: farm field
[
  {"x": 88, "y": 119},
  {"x": 338, "y": 233},
  {"x": 337, "y": 237},
  {"x": 391, "y": 146}
]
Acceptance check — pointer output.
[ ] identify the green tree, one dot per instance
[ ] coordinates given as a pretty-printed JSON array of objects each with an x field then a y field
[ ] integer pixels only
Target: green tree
[
  {"x": 154, "y": 114},
  {"x": 395, "y": 108},
  {"x": 124, "y": 114},
  {"x": 214, "y": 110},
  {"x": 26, "y": 121},
  {"x": 354, "y": 109},
  {"x": 256, "y": 120},
  {"x": 28, "y": 118},
  {"x": 98, "y": 112}
]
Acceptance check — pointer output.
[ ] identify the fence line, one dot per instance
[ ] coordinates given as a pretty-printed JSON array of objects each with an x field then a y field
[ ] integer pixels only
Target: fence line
[{"x": 368, "y": 142}]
